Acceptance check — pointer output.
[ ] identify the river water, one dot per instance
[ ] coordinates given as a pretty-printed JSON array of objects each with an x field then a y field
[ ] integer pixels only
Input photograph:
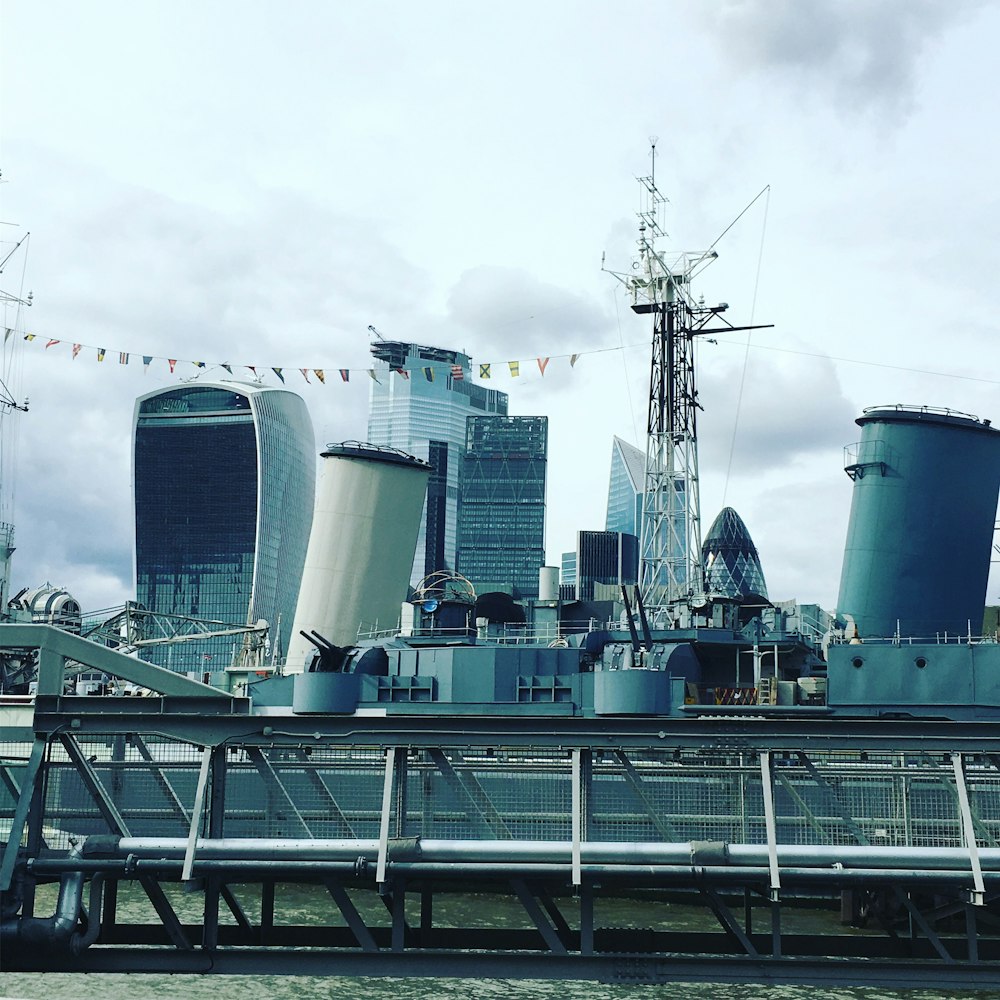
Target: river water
[
  {"x": 54, "y": 986},
  {"x": 309, "y": 905}
]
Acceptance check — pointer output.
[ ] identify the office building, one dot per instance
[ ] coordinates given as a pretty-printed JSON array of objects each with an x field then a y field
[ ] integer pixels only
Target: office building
[
  {"x": 605, "y": 557},
  {"x": 501, "y": 512},
  {"x": 625, "y": 488},
  {"x": 419, "y": 400},
  {"x": 567, "y": 571},
  {"x": 223, "y": 480},
  {"x": 732, "y": 568}
]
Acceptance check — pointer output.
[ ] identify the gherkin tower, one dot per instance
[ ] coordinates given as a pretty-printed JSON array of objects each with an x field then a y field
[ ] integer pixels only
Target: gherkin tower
[{"x": 729, "y": 555}]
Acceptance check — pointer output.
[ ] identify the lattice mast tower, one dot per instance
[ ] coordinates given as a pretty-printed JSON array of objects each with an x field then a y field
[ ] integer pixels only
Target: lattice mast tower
[
  {"x": 13, "y": 253},
  {"x": 671, "y": 571}
]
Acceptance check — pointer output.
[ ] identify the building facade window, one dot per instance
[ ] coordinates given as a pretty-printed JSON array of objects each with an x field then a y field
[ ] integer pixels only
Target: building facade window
[
  {"x": 501, "y": 515},
  {"x": 732, "y": 566},
  {"x": 416, "y": 404},
  {"x": 626, "y": 485},
  {"x": 223, "y": 484}
]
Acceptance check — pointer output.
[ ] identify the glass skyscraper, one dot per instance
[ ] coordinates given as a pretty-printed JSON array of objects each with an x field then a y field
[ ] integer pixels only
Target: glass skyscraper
[
  {"x": 223, "y": 480},
  {"x": 501, "y": 512},
  {"x": 608, "y": 557},
  {"x": 420, "y": 398},
  {"x": 625, "y": 488},
  {"x": 732, "y": 567}
]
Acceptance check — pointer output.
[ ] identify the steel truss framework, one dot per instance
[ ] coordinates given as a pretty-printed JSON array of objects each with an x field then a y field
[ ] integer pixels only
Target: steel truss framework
[
  {"x": 672, "y": 573},
  {"x": 614, "y": 850}
]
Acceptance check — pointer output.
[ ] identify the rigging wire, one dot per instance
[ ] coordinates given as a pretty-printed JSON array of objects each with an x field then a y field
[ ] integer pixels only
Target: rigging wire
[
  {"x": 766, "y": 189},
  {"x": 746, "y": 351},
  {"x": 870, "y": 364}
]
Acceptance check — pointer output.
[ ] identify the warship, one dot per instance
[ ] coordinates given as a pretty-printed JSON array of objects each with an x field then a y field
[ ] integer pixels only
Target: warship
[{"x": 657, "y": 793}]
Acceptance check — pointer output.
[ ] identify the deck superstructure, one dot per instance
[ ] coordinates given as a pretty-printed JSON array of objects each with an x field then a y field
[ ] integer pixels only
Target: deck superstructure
[{"x": 623, "y": 848}]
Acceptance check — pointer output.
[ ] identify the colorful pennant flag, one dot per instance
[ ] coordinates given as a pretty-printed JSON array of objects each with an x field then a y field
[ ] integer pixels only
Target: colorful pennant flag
[
  {"x": 147, "y": 360},
  {"x": 6, "y": 334},
  {"x": 456, "y": 371}
]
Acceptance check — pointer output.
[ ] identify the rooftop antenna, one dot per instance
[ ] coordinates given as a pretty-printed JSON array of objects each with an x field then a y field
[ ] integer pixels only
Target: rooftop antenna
[
  {"x": 671, "y": 575},
  {"x": 378, "y": 336}
]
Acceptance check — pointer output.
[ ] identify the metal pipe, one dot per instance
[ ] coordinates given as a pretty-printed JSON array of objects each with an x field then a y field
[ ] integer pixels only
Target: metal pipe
[
  {"x": 634, "y": 852},
  {"x": 365, "y": 869},
  {"x": 690, "y": 873},
  {"x": 61, "y": 930}
]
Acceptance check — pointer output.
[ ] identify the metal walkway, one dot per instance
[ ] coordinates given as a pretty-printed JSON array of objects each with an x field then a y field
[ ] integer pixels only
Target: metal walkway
[{"x": 627, "y": 851}]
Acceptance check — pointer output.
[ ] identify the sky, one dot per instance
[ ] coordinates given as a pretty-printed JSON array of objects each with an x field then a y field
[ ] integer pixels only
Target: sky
[{"x": 255, "y": 184}]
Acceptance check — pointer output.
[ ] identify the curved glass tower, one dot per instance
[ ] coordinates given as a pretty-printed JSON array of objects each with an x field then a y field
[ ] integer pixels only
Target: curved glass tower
[
  {"x": 223, "y": 478},
  {"x": 732, "y": 567}
]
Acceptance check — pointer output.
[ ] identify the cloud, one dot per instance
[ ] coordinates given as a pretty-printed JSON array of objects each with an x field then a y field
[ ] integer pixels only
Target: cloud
[
  {"x": 289, "y": 276},
  {"x": 866, "y": 55},
  {"x": 285, "y": 283},
  {"x": 511, "y": 314},
  {"x": 799, "y": 528},
  {"x": 781, "y": 408},
  {"x": 73, "y": 502}
]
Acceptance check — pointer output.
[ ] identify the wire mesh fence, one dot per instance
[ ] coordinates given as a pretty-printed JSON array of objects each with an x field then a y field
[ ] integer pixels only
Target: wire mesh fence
[{"x": 522, "y": 793}]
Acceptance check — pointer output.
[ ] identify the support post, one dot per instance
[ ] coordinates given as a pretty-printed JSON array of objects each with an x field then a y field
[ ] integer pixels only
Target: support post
[
  {"x": 383, "y": 829},
  {"x": 577, "y": 809},
  {"x": 24, "y": 797},
  {"x": 767, "y": 792},
  {"x": 978, "y": 894},
  {"x": 197, "y": 811}
]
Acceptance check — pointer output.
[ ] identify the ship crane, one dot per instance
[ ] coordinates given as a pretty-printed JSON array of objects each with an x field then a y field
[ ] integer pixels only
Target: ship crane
[{"x": 671, "y": 575}]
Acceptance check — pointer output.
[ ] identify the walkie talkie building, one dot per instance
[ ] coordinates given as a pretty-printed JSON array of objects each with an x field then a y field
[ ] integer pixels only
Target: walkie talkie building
[{"x": 223, "y": 480}]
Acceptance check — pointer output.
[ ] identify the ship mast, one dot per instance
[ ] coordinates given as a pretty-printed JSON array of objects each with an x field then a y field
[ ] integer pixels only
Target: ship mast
[
  {"x": 11, "y": 305},
  {"x": 671, "y": 576}
]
